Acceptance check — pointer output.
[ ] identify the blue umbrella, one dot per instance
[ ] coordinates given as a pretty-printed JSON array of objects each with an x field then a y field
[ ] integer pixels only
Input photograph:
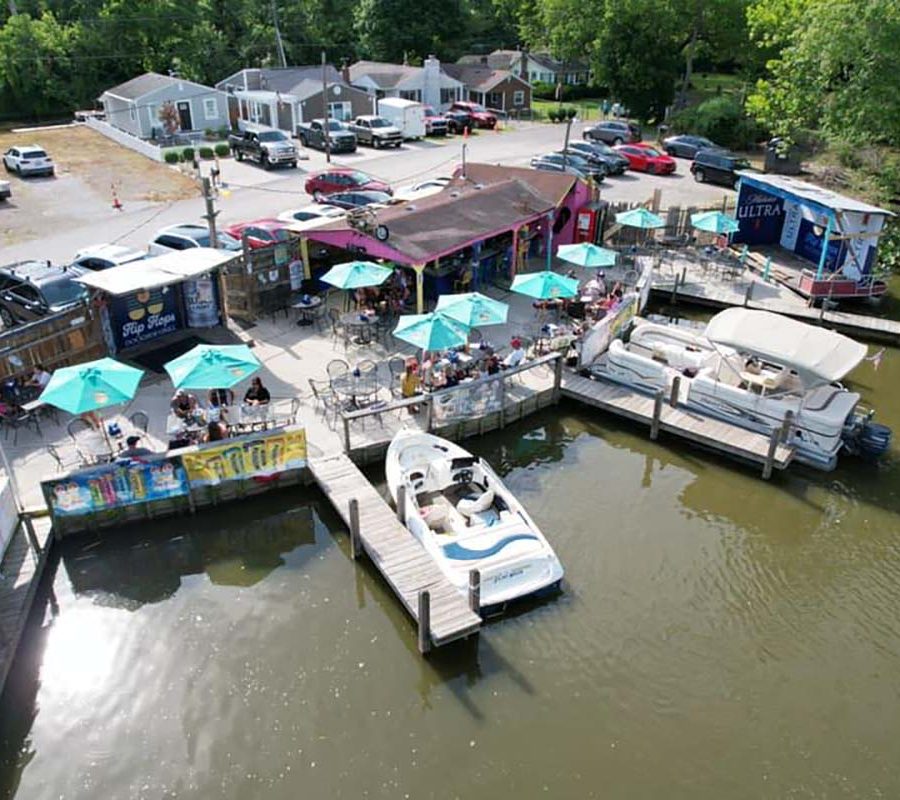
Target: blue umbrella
[
  {"x": 587, "y": 255},
  {"x": 91, "y": 386},
  {"x": 640, "y": 218},
  {"x": 473, "y": 309},
  {"x": 356, "y": 275},
  {"x": 714, "y": 222},
  {"x": 434, "y": 331},
  {"x": 209, "y": 366},
  {"x": 545, "y": 285}
]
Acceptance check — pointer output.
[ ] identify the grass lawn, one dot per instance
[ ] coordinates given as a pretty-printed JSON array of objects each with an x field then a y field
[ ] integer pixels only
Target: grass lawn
[
  {"x": 707, "y": 85},
  {"x": 588, "y": 107}
]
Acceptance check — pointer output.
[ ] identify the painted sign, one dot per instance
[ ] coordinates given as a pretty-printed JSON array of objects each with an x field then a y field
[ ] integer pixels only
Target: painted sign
[
  {"x": 259, "y": 456},
  {"x": 200, "y": 303},
  {"x": 145, "y": 315},
  {"x": 122, "y": 483},
  {"x": 614, "y": 325},
  {"x": 467, "y": 401},
  {"x": 760, "y": 216}
]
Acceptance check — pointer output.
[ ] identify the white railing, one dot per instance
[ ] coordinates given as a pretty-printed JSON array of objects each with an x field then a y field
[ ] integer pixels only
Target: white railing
[
  {"x": 9, "y": 512},
  {"x": 126, "y": 139}
]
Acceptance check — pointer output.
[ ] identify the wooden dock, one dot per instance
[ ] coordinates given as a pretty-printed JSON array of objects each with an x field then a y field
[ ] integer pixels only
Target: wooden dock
[
  {"x": 396, "y": 553},
  {"x": 659, "y": 415}
]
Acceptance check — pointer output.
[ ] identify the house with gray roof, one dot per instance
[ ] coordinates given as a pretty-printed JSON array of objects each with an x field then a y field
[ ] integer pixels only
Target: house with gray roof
[
  {"x": 285, "y": 97},
  {"x": 495, "y": 89},
  {"x": 533, "y": 67},
  {"x": 429, "y": 84},
  {"x": 134, "y": 106}
]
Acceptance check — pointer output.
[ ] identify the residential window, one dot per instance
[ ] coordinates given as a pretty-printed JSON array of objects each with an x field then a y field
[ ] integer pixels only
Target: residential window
[
  {"x": 533, "y": 77},
  {"x": 495, "y": 100},
  {"x": 340, "y": 111},
  {"x": 519, "y": 98},
  {"x": 210, "y": 108},
  {"x": 413, "y": 94},
  {"x": 254, "y": 111},
  {"x": 448, "y": 96}
]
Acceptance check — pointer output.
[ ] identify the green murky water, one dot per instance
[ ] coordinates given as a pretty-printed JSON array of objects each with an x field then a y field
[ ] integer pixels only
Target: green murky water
[{"x": 718, "y": 637}]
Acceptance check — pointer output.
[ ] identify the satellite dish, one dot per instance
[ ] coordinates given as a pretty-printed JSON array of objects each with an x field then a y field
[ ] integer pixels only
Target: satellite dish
[{"x": 382, "y": 233}]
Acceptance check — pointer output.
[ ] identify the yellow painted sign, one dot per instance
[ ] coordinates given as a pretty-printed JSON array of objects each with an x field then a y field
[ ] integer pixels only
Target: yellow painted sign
[{"x": 260, "y": 456}]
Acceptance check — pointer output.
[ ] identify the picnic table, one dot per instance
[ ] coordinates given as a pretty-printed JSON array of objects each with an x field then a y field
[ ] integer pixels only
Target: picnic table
[{"x": 359, "y": 326}]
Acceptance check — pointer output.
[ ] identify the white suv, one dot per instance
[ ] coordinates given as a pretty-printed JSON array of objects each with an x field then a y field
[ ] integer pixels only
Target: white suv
[
  {"x": 28, "y": 160},
  {"x": 104, "y": 256},
  {"x": 184, "y": 237}
]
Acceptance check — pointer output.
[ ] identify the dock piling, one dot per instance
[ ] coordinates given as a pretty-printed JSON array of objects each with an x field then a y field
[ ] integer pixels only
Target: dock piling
[
  {"x": 774, "y": 441},
  {"x": 748, "y": 294},
  {"x": 557, "y": 378},
  {"x": 475, "y": 590},
  {"x": 424, "y": 621},
  {"x": 657, "y": 411},
  {"x": 676, "y": 389},
  {"x": 355, "y": 544},
  {"x": 787, "y": 425},
  {"x": 401, "y": 504}
]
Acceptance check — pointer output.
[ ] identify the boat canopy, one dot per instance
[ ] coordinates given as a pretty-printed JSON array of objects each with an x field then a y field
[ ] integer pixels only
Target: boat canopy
[{"x": 817, "y": 354}]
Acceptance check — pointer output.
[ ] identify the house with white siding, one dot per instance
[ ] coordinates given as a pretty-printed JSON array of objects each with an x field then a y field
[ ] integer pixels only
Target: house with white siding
[
  {"x": 428, "y": 84},
  {"x": 134, "y": 106}
]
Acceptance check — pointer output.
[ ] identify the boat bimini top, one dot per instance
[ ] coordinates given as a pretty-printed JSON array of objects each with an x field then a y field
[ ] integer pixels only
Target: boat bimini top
[{"x": 818, "y": 355}]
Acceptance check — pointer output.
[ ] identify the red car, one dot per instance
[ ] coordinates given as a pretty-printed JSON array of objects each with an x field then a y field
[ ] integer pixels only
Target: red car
[
  {"x": 343, "y": 180},
  {"x": 644, "y": 158},
  {"x": 260, "y": 232},
  {"x": 480, "y": 115}
]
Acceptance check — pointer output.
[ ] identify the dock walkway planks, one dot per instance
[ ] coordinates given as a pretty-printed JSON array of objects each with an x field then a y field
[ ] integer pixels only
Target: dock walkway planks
[
  {"x": 394, "y": 551},
  {"x": 716, "y": 434}
]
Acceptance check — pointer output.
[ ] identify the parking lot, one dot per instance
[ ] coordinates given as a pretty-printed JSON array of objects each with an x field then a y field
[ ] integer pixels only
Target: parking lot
[{"x": 53, "y": 218}]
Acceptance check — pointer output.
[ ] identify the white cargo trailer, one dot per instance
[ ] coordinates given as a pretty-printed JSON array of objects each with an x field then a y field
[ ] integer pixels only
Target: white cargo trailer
[{"x": 407, "y": 115}]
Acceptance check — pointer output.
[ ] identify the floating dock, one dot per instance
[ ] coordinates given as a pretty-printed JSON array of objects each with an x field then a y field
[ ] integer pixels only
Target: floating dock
[
  {"x": 659, "y": 415},
  {"x": 440, "y": 610}
]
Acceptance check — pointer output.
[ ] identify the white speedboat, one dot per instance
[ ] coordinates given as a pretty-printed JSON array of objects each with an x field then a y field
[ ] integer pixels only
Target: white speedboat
[
  {"x": 758, "y": 370},
  {"x": 465, "y": 517}
]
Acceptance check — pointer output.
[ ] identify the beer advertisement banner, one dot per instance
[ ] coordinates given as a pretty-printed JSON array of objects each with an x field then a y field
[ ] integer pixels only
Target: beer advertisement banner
[
  {"x": 467, "y": 401},
  {"x": 115, "y": 485},
  {"x": 247, "y": 457}
]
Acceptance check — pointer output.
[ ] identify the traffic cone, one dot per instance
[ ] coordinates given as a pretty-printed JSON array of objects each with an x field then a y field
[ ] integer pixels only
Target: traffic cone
[
  {"x": 116, "y": 203},
  {"x": 497, "y": 127},
  {"x": 466, "y": 132}
]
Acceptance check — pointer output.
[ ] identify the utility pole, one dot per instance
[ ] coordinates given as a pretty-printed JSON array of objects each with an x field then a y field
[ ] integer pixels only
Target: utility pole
[
  {"x": 325, "y": 110},
  {"x": 278, "y": 43},
  {"x": 566, "y": 145},
  {"x": 464, "y": 159},
  {"x": 211, "y": 212}
]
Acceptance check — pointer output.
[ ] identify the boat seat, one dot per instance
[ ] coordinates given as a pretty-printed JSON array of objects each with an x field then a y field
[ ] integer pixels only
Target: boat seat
[
  {"x": 469, "y": 507},
  {"x": 435, "y": 516}
]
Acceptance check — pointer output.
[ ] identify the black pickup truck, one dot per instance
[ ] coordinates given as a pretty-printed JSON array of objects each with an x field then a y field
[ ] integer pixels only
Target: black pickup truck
[
  {"x": 312, "y": 134},
  {"x": 270, "y": 148}
]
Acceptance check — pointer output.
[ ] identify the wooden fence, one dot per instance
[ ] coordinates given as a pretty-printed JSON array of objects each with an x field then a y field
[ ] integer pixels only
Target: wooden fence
[
  {"x": 260, "y": 282},
  {"x": 58, "y": 340},
  {"x": 678, "y": 221}
]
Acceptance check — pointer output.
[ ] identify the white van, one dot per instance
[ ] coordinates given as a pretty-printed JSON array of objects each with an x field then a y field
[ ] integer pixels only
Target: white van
[{"x": 407, "y": 115}]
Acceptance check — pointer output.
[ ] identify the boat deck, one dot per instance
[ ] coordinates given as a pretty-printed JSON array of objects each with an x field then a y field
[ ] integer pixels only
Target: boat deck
[
  {"x": 714, "y": 434},
  {"x": 394, "y": 551}
]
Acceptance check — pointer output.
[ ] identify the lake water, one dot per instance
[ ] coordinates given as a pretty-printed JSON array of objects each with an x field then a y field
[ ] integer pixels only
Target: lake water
[{"x": 719, "y": 636}]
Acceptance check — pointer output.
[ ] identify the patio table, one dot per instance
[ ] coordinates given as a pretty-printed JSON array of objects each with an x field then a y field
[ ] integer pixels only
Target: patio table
[
  {"x": 307, "y": 310},
  {"x": 361, "y": 327},
  {"x": 354, "y": 386}
]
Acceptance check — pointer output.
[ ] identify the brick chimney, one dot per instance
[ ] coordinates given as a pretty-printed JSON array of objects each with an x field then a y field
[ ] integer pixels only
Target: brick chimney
[
  {"x": 523, "y": 65},
  {"x": 345, "y": 71}
]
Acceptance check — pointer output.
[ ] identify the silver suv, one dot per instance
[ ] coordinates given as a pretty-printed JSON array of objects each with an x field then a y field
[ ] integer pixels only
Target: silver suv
[
  {"x": 183, "y": 237},
  {"x": 614, "y": 132}
]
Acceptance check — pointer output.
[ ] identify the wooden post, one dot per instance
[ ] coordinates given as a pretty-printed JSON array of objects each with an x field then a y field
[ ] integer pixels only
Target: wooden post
[
  {"x": 657, "y": 410},
  {"x": 787, "y": 425},
  {"x": 514, "y": 261},
  {"x": 475, "y": 590},
  {"x": 748, "y": 294},
  {"x": 502, "y": 402},
  {"x": 346, "y": 433},
  {"x": 420, "y": 288},
  {"x": 32, "y": 538},
  {"x": 355, "y": 545},
  {"x": 424, "y": 621},
  {"x": 401, "y": 503},
  {"x": 304, "y": 255},
  {"x": 428, "y": 406},
  {"x": 676, "y": 387},
  {"x": 557, "y": 378},
  {"x": 674, "y": 298},
  {"x": 774, "y": 439}
]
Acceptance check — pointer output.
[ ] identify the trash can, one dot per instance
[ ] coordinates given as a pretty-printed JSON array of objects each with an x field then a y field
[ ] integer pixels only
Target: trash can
[{"x": 781, "y": 157}]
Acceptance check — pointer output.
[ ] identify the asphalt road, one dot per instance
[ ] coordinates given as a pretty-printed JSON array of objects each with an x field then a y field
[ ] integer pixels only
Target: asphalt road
[{"x": 253, "y": 193}]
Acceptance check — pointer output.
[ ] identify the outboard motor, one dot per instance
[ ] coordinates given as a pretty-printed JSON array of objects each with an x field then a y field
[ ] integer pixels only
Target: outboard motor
[{"x": 865, "y": 438}]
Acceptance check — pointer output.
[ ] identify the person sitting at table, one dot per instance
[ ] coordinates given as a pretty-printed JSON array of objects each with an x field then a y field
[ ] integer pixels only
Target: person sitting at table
[
  {"x": 595, "y": 288},
  {"x": 492, "y": 364},
  {"x": 617, "y": 291},
  {"x": 39, "y": 378},
  {"x": 133, "y": 450},
  {"x": 220, "y": 397},
  {"x": 451, "y": 377},
  {"x": 515, "y": 356},
  {"x": 216, "y": 431},
  {"x": 183, "y": 404},
  {"x": 257, "y": 394},
  {"x": 410, "y": 384}
]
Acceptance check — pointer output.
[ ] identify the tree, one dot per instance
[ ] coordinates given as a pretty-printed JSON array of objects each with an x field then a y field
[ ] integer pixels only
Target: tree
[
  {"x": 838, "y": 69},
  {"x": 391, "y": 30},
  {"x": 168, "y": 116}
]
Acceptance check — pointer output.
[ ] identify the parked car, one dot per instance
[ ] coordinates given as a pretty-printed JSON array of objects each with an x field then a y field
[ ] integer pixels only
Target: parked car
[
  {"x": 644, "y": 158},
  {"x": 269, "y": 148},
  {"x": 30, "y": 290},
  {"x": 718, "y": 166},
  {"x": 613, "y": 131},
  {"x": 554, "y": 163},
  {"x": 459, "y": 121},
  {"x": 5, "y": 191},
  {"x": 343, "y": 180},
  {"x": 597, "y": 172},
  {"x": 376, "y": 131},
  {"x": 260, "y": 232},
  {"x": 422, "y": 189},
  {"x": 600, "y": 153},
  {"x": 104, "y": 256},
  {"x": 479, "y": 114},
  {"x": 687, "y": 146},
  {"x": 310, "y": 213},
  {"x": 436, "y": 124},
  {"x": 28, "y": 160},
  {"x": 340, "y": 140},
  {"x": 358, "y": 199},
  {"x": 184, "y": 237}
]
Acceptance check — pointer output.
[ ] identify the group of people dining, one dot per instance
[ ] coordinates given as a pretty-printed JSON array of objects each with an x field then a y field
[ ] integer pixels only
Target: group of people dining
[
  {"x": 594, "y": 300},
  {"x": 387, "y": 300}
]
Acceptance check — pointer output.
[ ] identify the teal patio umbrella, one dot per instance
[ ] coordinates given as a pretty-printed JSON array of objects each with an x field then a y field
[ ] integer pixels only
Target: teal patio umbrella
[
  {"x": 545, "y": 285},
  {"x": 91, "y": 386},
  {"x": 473, "y": 309},
  {"x": 209, "y": 366},
  {"x": 587, "y": 255},
  {"x": 640, "y": 218},
  {"x": 714, "y": 222},
  {"x": 434, "y": 331},
  {"x": 356, "y": 275}
]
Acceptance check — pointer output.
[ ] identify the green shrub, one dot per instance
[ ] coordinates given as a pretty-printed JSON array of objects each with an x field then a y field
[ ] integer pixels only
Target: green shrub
[
  {"x": 571, "y": 113},
  {"x": 222, "y": 150},
  {"x": 721, "y": 119},
  {"x": 187, "y": 154},
  {"x": 206, "y": 152},
  {"x": 554, "y": 115},
  {"x": 224, "y": 131},
  {"x": 209, "y": 133},
  {"x": 171, "y": 157}
]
